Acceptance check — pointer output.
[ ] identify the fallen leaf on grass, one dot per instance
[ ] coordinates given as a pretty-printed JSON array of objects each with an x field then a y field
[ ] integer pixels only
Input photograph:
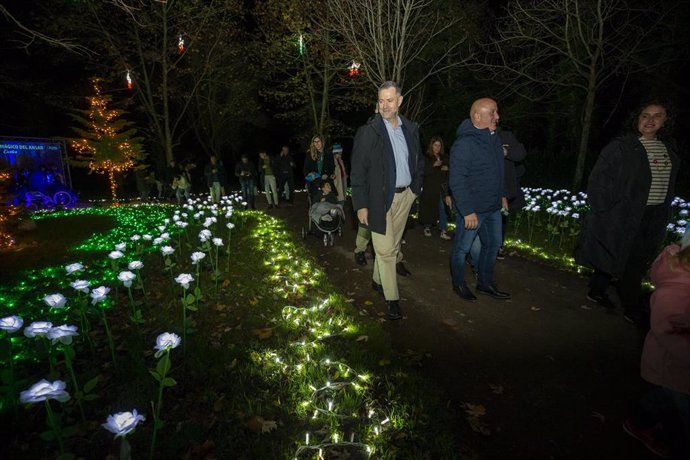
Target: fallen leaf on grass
[
  {"x": 362, "y": 338},
  {"x": 533, "y": 308},
  {"x": 368, "y": 302},
  {"x": 350, "y": 300},
  {"x": 258, "y": 425},
  {"x": 225, "y": 283},
  {"x": 384, "y": 362},
  {"x": 496, "y": 389},
  {"x": 220, "y": 404},
  {"x": 253, "y": 301},
  {"x": 474, "y": 410},
  {"x": 585, "y": 307},
  {"x": 263, "y": 333}
]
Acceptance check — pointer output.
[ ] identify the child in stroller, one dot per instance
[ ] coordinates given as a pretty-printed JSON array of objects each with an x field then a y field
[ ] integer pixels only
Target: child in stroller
[{"x": 325, "y": 213}]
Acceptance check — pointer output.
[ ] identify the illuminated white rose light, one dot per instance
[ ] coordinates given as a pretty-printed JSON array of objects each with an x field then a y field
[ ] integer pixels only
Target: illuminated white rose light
[
  {"x": 135, "y": 237},
  {"x": 230, "y": 225},
  {"x": 121, "y": 246},
  {"x": 38, "y": 329},
  {"x": 184, "y": 279},
  {"x": 127, "y": 277},
  {"x": 147, "y": 237},
  {"x": 204, "y": 235},
  {"x": 135, "y": 265},
  {"x": 73, "y": 268},
  {"x": 166, "y": 341},
  {"x": 218, "y": 241},
  {"x": 63, "y": 334},
  {"x": 167, "y": 250},
  {"x": 11, "y": 324},
  {"x": 123, "y": 423},
  {"x": 80, "y": 285},
  {"x": 197, "y": 257},
  {"x": 116, "y": 255},
  {"x": 43, "y": 390},
  {"x": 55, "y": 300},
  {"x": 99, "y": 294}
]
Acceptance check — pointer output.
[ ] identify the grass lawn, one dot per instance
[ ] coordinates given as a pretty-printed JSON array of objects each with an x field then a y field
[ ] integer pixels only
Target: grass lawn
[{"x": 274, "y": 362}]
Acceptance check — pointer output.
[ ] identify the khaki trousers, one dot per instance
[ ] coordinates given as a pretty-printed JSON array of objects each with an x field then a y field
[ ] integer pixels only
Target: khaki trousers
[
  {"x": 362, "y": 241},
  {"x": 386, "y": 246}
]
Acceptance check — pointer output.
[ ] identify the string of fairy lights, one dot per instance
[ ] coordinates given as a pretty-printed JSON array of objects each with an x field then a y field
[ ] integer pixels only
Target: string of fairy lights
[{"x": 107, "y": 150}]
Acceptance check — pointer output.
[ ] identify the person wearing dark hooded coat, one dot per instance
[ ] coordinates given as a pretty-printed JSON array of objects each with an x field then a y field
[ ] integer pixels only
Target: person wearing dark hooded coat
[{"x": 629, "y": 192}]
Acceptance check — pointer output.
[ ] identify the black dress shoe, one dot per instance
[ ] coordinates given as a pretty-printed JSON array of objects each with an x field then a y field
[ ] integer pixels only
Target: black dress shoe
[
  {"x": 602, "y": 299},
  {"x": 377, "y": 287},
  {"x": 493, "y": 292},
  {"x": 402, "y": 270},
  {"x": 394, "y": 312},
  {"x": 464, "y": 293},
  {"x": 360, "y": 258}
]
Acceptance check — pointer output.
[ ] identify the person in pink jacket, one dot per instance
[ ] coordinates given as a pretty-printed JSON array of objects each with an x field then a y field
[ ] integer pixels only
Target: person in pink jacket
[{"x": 662, "y": 417}]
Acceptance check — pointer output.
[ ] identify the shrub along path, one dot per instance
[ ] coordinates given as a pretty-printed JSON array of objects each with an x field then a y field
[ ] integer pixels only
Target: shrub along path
[{"x": 545, "y": 375}]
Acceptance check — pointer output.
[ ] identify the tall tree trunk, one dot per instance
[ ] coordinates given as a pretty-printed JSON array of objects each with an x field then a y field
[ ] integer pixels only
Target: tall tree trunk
[
  {"x": 164, "y": 89},
  {"x": 588, "y": 110}
]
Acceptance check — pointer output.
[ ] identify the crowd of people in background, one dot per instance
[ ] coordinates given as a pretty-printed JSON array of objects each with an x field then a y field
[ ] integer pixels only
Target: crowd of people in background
[{"x": 478, "y": 182}]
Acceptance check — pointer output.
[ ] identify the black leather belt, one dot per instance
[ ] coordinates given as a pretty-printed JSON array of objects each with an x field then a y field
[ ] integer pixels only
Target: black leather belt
[{"x": 401, "y": 189}]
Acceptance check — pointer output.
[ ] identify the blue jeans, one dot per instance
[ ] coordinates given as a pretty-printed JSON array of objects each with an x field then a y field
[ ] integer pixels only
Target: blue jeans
[
  {"x": 442, "y": 215},
  {"x": 489, "y": 232},
  {"x": 248, "y": 192}
]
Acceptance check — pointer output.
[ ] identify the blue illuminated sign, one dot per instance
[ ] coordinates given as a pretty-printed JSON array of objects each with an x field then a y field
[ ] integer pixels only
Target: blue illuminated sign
[{"x": 23, "y": 147}]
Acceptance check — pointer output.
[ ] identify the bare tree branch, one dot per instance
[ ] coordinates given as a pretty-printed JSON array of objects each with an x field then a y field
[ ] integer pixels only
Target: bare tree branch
[{"x": 30, "y": 35}]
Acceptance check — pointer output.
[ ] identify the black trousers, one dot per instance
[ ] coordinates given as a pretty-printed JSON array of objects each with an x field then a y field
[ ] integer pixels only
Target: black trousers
[{"x": 646, "y": 245}]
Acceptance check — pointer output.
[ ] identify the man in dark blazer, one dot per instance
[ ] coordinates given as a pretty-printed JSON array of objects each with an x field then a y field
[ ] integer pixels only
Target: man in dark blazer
[{"x": 386, "y": 177}]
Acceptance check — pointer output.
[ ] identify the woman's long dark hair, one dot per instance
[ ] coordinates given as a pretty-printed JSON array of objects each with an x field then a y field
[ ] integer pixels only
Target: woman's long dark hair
[{"x": 430, "y": 147}]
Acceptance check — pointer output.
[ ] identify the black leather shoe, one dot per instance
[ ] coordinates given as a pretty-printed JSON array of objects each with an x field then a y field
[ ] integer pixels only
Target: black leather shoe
[
  {"x": 464, "y": 293},
  {"x": 360, "y": 258},
  {"x": 602, "y": 299},
  {"x": 493, "y": 292},
  {"x": 394, "y": 312},
  {"x": 402, "y": 269},
  {"x": 377, "y": 287}
]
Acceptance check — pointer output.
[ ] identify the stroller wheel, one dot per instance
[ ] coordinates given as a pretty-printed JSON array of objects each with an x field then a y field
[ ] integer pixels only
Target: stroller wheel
[
  {"x": 325, "y": 239},
  {"x": 340, "y": 231},
  {"x": 304, "y": 233},
  {"x": 331, "y": 239}
]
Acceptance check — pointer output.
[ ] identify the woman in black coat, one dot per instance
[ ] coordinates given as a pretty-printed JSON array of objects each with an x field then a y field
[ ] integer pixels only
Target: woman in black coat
[
  {"x": 630, "y": 191},
  {"x": 432, "y": 203}
]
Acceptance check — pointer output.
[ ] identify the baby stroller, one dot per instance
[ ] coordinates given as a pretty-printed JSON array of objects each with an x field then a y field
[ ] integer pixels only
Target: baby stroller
[{"x": 325, "y": 219}]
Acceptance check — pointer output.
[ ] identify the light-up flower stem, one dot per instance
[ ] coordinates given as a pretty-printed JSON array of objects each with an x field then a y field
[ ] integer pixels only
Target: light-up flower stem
[
  {"x": 230, "y": 226},
  {"x": 45, "y": 391},
  {"x": 137, "y": 266},
  {"x": 39, "y": 330},
  {"x": 82, "y": 288},
  {"x": 197, "y": 257},
  {"x": 217, "y": 242},
  {"x": 63, "y": 335},
  {"x": 187, "y": 300},
  {"x": 164, "y": 343},
  {"x": 166, "y": 252},
  {"x": 121, "y": 424},
  {"x": 99, "y": 295},
  {"x": 10, "y": 325}
]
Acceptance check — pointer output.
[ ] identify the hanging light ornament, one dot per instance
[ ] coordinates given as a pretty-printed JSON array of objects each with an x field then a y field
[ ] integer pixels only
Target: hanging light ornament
[
  {"x": 180, "y": 45},
  {"x": 300, "y": 45},
  {"x": 129, "y": 80},
  {"x": 353, "y": 70}
]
